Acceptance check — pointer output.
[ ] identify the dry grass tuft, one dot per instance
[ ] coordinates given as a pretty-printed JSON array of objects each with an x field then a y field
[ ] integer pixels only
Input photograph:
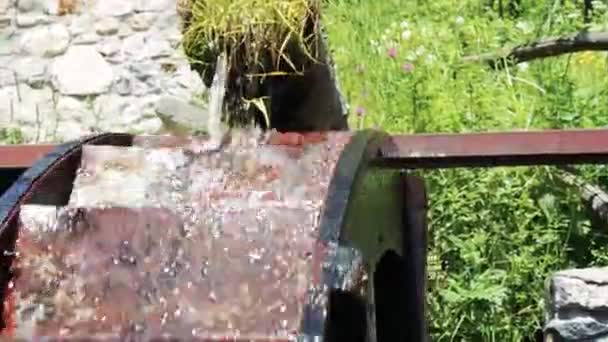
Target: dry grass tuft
[{"x": 260, "y": 38}]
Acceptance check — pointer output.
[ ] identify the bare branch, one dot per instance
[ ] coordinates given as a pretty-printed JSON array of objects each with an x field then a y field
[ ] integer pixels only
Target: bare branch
[
  {"x": 594, "y": 197},
  {"x": 582, "y": 41}
]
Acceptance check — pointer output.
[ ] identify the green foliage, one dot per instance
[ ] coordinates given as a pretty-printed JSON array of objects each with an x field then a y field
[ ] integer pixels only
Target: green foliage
[
  {"x": 11, "y": 136},
  {"x": 249, "y": 28},
  {"x": 496, "y": 234}
]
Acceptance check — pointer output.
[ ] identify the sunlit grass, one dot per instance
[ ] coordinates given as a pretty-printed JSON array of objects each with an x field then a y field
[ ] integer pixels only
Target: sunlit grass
[
  {"x": 495, "y": 234},
  {"x": 249, "y": 27}
]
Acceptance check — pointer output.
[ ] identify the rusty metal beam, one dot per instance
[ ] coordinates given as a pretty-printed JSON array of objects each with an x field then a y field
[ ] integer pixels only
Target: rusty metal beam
[
  {"x": 22, "y": 156},
  {"x": 552, "y": 147}
]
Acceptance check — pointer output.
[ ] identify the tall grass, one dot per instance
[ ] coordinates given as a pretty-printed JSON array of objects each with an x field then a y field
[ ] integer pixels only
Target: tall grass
[{"x": 496, "y": 234}]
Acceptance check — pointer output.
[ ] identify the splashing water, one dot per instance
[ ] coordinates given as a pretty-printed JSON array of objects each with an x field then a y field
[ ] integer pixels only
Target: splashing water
[{"x": 216, "y": 100}]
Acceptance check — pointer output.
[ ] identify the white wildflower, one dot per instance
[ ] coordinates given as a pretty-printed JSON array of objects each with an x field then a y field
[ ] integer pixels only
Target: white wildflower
[
  {"x": 405, "y": 35},
  {"x": 523, "y": 66},
  {"x": 404, "y": 24},
  {"x": 459, "y": 20},
  {"x": 420, "y": 51},
  {"x": 383, "y": 37},
  {"x": 524, "y": 26}
]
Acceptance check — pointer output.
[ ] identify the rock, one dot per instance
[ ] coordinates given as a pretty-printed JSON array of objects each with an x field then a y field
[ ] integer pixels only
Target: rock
[
  {"x": 123, "y": 86},
  {"x": 81, "y": 71},
  {"x": 47, "y": 41},
  {"x": 141, "y": 21},
  {"x": 4, "y": 6},
  {"x": 27, "y": 106},
  {"x": 81, "y": 24},
  {"x": 158, "y": 47},
  {"x": 145, "y": 70},
  {"x": 72, "y": 109},
  {"x": 113, "y": 8},
  {"x": 154, "y": 5},
  {"x": 87, "y": 39},
  {"x": 147, "y": 126},
  {"x": 133, "y": 46},
  {"x": 109, "y": 47},
  {"x": 107, "y": 26},
  {"x": 576, "y": 302},
  {"x": 180, "y": 117},
  {"x": 187, "y": 78},
  {"x": 7, "y": 44},
  {"x": 142, "y": 46},
  {"x": 124, "y": 31},
  {"x": 26, "y": 5},
  {"x": 32, "y": 70},
  {"x": 30, "y": 20},
  {"x": 5, "y": 21},
  {"x": 7, "y": 77}
]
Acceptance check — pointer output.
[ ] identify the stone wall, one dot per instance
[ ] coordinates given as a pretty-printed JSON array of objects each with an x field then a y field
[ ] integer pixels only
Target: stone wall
[
  {"x": 577, "y": 305},
  {"x": 103, "y": 67}
]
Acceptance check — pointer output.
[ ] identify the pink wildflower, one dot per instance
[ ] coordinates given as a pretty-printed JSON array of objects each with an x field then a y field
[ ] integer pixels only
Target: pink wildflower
[
  {"x": 408, "y": 67},
  {"x": 392, "y": 52},
  {"x": 360, "y": 111}
]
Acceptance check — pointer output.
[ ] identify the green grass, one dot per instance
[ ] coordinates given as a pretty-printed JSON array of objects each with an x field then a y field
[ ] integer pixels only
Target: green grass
[
  {"x": 11, "y": 136},
  {"x": 496, "y": 234}
]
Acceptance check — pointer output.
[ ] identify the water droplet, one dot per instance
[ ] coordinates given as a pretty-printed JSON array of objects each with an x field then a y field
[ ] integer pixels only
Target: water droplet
[
  {"x": 205, "y": 268},
  {"x": 212, "y": 296}
]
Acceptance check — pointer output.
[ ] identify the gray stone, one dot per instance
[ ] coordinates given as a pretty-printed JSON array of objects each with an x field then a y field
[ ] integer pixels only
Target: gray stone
[
  {"x": 123, "y": 112},
  {"x": 81, "y": 24},
  {"x": 179, "y": 116},
  {"x": 576, "y": 301},
  {"x": 109, "y": 47},
  {"x": 75, "y": 110},
  {"x": 26, "y": 5},
  {"x": 7, "y": 77},
  {"x": 107, "y": 26},
  {"x": 113, "y": 8},
  {"x": 154, "y": 5},
  {"x": 187, "y": 78},
  {"x": 7, "y": 44},
  {"x": 578, "y": 328},
  {"x": 124, "y": 31},
  {"x": 145, "y": 70},
  {"x": 87, "y": 39},
  {"x": 123, "y": 86},
  {"x": 30, "y": 20},
  {"x": 32, "y": 70},
  {"x": 46, "y": 41},
  {"x": 5, "y": 21},
  {"x": 157, "y": 46},
  {"x": 81, "y": 71},
  {"x": 595, "y": 275},
  {"x": 26, "y": 105},
  {"x": 142, "y": 21},
  {"x": 133, "y": 46},
  {"x": 4, "y": 6},
  {"x": 142, "y": 46}
]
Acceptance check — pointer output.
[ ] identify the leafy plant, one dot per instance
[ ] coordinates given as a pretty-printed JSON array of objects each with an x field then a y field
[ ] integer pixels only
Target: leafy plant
[{"x": 495, "y": 234}]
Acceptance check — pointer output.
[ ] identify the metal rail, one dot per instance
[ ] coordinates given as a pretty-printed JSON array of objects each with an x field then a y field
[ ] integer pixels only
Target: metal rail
[
  {"x": 22, "y": 156},
  {"x": 416, "y": 151},
  {"x": 552, "y": 147}
]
